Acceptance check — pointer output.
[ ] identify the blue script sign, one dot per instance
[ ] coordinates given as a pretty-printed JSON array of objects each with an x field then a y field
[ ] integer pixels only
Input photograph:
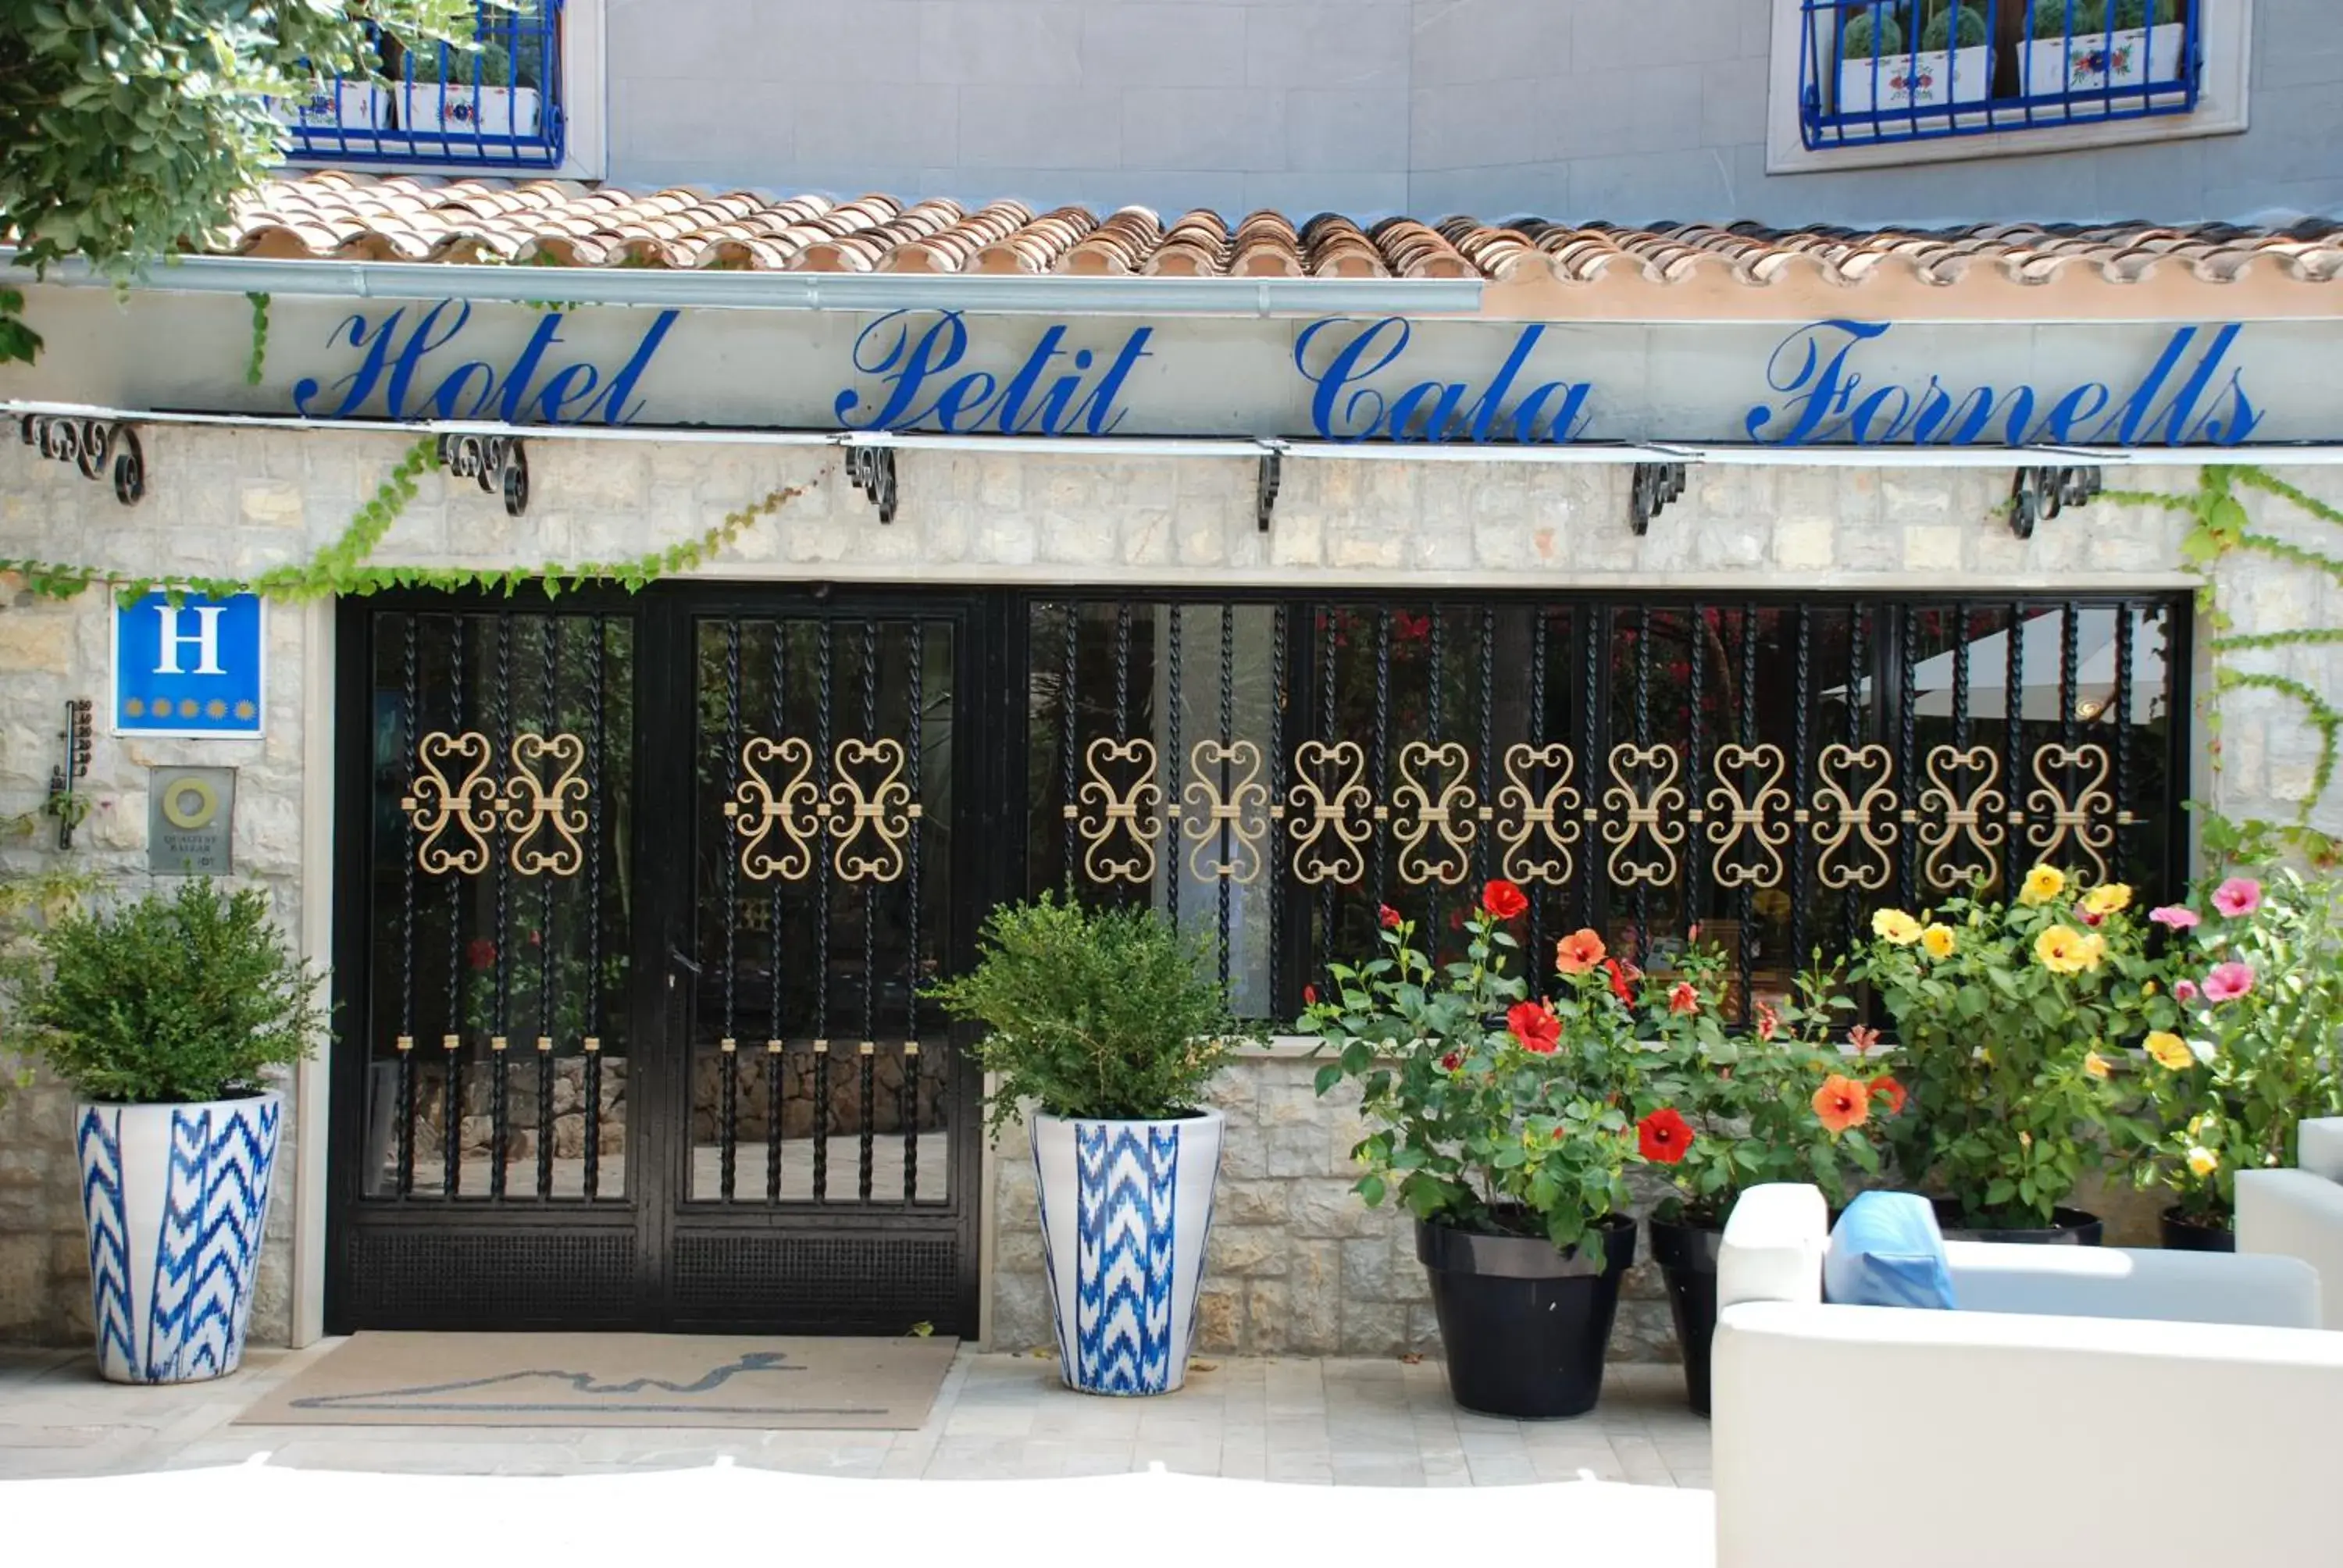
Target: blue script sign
[
  {"x": 193, "y": 668},
  {"x": 915, "y": 366},
  {"x": 2176, "y": 403},
  {"x": 1344, "y": 406},
  {"x": 533, "y": 386}
]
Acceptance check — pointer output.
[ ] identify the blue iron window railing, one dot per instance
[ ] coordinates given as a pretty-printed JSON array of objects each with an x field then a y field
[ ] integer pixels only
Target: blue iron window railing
[
  {"x": 1874, "y": 71},
  {"x": 499, "y": 104}
]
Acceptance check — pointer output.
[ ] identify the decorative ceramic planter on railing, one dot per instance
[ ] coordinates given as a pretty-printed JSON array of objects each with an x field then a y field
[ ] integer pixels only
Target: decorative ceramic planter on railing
[
  {"x": 1905, "y": 80},
  {"x": 176, "y": 1198},
  {"x": 2095, "y": 62},
  {"x": 1126, "y": 1211},
  {"x": 461, "y": 110}
]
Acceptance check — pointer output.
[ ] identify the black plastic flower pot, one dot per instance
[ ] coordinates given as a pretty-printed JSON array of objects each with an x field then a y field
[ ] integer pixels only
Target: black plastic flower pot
[
  {"x": 1524, "y": 1325},
  {"x": 1687, "y": 1254},
  {"x": 2069, "y": 1228},
  {"x": 2183, "y": 1234}
]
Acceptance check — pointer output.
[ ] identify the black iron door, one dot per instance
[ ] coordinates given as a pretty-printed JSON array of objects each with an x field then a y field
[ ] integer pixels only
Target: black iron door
[
  {"x": 817, "y": 756},
  {"x": 636, "y": 897}
]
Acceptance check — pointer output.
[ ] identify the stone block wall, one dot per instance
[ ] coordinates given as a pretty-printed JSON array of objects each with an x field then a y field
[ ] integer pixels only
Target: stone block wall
[{"x": 1301, "y": 1266}]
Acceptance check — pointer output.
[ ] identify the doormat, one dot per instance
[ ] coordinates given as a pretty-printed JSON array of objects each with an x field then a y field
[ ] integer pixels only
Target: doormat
[{"x": 613, "y": 1380}]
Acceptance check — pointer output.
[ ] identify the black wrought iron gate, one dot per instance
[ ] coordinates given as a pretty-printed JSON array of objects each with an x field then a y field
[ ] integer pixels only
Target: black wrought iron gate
[
  {"x": 638, "y": 899},
  {"x": 638, "y": 895}
]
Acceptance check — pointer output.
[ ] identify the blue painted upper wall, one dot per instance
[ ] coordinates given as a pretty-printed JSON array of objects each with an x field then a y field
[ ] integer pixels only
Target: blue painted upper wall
[{"x": 1628, "y": 110}]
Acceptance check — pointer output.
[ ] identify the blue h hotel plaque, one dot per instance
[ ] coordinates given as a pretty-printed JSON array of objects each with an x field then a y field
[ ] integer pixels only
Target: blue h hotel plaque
[{"x": 193, "y": 668}]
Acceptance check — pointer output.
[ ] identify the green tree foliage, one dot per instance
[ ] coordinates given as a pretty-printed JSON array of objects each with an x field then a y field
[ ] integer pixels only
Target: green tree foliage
[{"x": 129, "y": 127}]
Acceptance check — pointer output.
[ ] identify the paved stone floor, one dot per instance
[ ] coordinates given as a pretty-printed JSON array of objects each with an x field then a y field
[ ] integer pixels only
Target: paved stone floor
[{"x": 1340, "y": 1422}]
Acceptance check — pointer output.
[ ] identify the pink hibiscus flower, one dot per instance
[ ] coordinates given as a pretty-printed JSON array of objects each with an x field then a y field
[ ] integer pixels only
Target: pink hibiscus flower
[
  {"x": 2175, "y": 917},
  {"x": 2229, "y": 982},
  {"x": 2184, "y": 990},
  {"x": 2237, "y": 897}
]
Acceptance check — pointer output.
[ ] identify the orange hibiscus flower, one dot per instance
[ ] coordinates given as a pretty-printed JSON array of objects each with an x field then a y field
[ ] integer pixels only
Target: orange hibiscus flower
[
  {"x": 1578, "y": 952},
  {"x": 1842, "y": 1102}
]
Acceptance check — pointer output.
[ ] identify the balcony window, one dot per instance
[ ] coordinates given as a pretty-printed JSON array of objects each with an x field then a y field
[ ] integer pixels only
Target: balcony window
[
  {"x": 1872, "y": 72},
  {"x": 498, "y": 105}
]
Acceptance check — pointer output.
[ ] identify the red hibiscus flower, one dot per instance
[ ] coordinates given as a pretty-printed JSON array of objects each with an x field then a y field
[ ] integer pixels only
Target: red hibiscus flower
[
  {"x": 1842, "y": 1102},
  {"x": 1663, "y": 1136},
  {"x": 1885, "y": 1089},
  {"x": 1534, "y": 1025},
  {"x": 1684, "y": 999},
  {"x": 1623, "y": 976},
  {"x": 1503, "y": 901},
  {"x": 1578, "y": 952},
  {"x": 1388, "y": 916},
  {"x": 1451, "y": 1062},
  {"x": 480, "y": 953},
  {"x": 1769, "y": 1023},
  {"x": 1310, "y": 996}
]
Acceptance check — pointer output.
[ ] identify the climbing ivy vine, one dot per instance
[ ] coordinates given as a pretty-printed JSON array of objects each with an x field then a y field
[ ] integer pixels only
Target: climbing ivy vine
[
  {"x": 2219, "y": 526},
  {"x": 346, "y": 566}
]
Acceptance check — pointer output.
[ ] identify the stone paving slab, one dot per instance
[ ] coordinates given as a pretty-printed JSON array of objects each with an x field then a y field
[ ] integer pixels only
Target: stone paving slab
[{"x": 1340, "y": 1422}]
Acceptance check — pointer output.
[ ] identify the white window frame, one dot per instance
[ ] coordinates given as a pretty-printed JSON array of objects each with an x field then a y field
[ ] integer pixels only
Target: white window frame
[
  {"x": 584, "y": 108},
  {"x": 2228, "y": 27}
]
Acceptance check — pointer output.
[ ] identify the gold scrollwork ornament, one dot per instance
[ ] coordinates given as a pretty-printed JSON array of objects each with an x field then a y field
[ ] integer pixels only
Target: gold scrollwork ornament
[
  {"x": 2087, "y": 816},
  {"x": 1433, "y": 821},
  {"x": 1655, "y": 812},
  {"x": 1854, "y": 827},
  {"x": 883, "y": 809},
  {"x": 1536, "y": 826},
  {"x": 1327, "y": 811},
  {"x": 436, "y": 803},
  {"x": 758, "y": 809},
  {"x": 555, "y": 813},
  {"x": 1960, "y": 831},
  {"x": 1756, "y": 820},
  {"x": 1225, "y": 829},
  {"x": 1120, "y": 826}
]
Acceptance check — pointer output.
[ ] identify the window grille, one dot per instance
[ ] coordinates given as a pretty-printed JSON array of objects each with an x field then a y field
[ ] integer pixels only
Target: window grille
[
  {"x": 1880, "y": 71},
  {"x": 500, "y": 106}
]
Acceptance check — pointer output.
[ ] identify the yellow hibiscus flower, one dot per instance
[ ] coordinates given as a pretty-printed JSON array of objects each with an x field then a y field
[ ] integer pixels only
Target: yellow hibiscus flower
[
  {"x": 2064, "y": 950},
  {"x": 1895, "y": 926},
  {"x": 2203, "y": 1161},
  {"x": 2096, "y": 1065},
  {"x": 2113, "y": 899},
  {"x": 2043, "y": 884},
  {"x": 2171, "y": 1051},
  {"x": 1939, "y": 941}
]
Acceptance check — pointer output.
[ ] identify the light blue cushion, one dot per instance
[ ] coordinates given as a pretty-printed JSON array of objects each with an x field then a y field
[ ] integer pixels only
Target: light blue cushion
[{"x": 1887, "y": 1251}]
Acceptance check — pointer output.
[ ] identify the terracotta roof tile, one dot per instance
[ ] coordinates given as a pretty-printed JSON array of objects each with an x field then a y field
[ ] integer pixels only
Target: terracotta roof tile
[{"x": 342, "y": 214}]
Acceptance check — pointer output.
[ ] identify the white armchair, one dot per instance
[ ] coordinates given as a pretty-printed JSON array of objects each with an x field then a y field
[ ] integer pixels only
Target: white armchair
[
  {"x": 2083, "y": 1405},
  {"x": 2299, "y": 1213}
]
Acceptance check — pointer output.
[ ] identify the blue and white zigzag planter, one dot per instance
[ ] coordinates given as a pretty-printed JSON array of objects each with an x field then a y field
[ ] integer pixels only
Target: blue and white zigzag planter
[
  {"x": 177, "y": 1201},
  {"x": 1126, "y": 1211}
]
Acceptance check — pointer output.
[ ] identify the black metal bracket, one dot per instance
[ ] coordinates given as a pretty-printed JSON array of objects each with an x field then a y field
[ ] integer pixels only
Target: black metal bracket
[
  {"x": 1651, "y": 489},
  {"x": 500, "y": 464},
  {"x": 871, "y": 470},
  {"x": 66, "y": 804},
  {"x": 1272, "y": 475},
  {"x": 100, "y": 449},
  {"x": 2038, "y": 493}
]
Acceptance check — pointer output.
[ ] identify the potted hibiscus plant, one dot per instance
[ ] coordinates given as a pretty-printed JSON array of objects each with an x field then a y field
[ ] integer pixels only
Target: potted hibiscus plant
[
  {"x": 1109, "y": 1024},
  {"x": 2008, "y": 1016},
  {"x": 1504, "y": 1123},
  {"x": 1782, "y": 1102},
  {"x": 167, "y": 1016},
  {"x": 2256, "y": 960}
]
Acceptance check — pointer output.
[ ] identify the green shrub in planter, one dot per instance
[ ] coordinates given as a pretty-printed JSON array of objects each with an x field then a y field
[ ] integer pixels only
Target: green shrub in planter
[
  {"x": 1096, "y": 1014},
  {"x": 1871, "y": 35},
  {"x": 170, "y": 1000},
  {"x": 1964, "y": 28}
]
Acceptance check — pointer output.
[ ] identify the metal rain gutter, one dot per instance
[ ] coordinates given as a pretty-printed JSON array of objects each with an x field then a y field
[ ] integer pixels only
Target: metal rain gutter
[{"x": 869, "y": 293}]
